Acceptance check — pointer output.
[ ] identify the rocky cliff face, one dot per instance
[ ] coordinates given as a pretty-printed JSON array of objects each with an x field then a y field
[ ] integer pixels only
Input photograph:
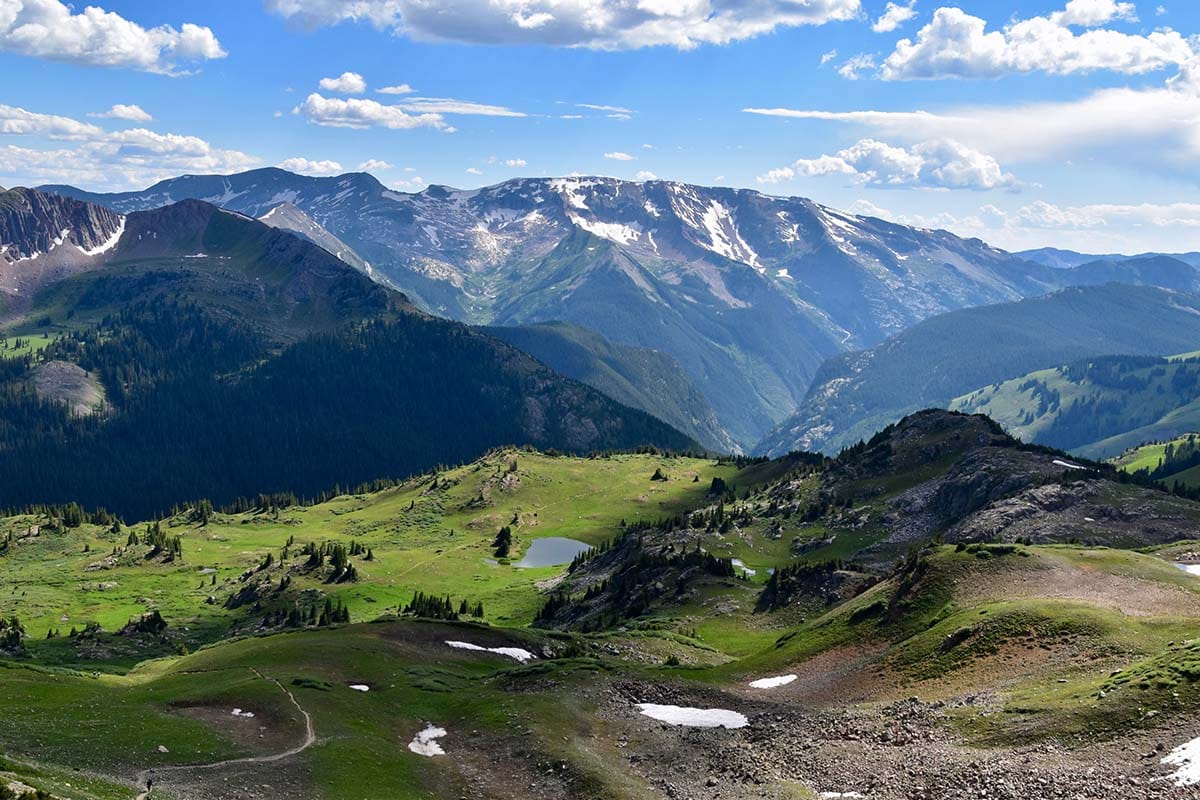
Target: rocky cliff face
[{"x": 44, "y": 237}]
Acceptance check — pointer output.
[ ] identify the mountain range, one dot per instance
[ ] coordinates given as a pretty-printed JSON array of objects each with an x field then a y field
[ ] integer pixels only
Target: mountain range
[
  {"x": 193, "y": 351},
  {"x": 749, "y": 293},
  {"x": 751, "y": 301}
]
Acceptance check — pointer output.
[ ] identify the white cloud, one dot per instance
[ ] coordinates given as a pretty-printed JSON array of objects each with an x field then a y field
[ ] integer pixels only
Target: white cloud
[
  {"x": 1151, "y": 129},
  {"x": 515, "y": 162},
  {"x": 402, "y": 88},
  {"x": 335, "y": 112},
  {"x": 304, "y": 166},
  {"x": 941, "y": 164},
  {"x": 374, "y": 165},
  {"x": 474, "y": 171},
  {"x": 570, "y": 116},
  {"x": 134, "y": 157},
  {"x": 1090, "y": 228},
  {"x": 894, "y": 16},
  {"x": 958, "y": 45},
  {"x": 95, "y": 37},
  {"x": 1090, "y": 13},
  {"x": 14, "y": 120},
  {"x": 598, "y": 24},
  {"x": 132, "y": 112},
  {"x": 601, "y": 107},
  {"x": 346, "y": 83},
  {"x": 646, "y": 175},
  {"x": 859, "y": 63},
  {"x": 446, "y": 105},
  {"x": 828, "y": 56},
  {"x": 619, "y": 156}
]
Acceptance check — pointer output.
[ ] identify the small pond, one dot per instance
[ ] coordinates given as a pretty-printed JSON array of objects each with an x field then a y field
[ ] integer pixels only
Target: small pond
[{"x": 551, "y": 551}]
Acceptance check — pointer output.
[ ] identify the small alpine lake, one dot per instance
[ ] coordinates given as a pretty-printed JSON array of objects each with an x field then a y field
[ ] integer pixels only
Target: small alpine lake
[{"x": 551, "y": 551}]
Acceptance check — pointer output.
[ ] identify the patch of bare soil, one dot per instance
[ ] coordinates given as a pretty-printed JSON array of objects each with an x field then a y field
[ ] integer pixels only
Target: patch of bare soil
[{"x": 1128, "y": 595}]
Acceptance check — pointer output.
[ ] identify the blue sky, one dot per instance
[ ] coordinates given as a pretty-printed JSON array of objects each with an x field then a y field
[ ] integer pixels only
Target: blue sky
[{"x": 1072, "y": 123}]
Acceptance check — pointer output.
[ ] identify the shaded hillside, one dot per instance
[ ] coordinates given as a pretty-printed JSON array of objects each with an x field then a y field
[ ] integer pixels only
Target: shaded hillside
[
  {"x": 635, "y": 377},
  {"x": 236, "y": 358},
  {"x": 956, "y": 353}
]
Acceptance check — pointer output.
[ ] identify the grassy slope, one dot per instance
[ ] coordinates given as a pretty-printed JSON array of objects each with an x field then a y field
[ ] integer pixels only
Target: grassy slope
[
  {"x": 1159, "y": 410},
  {"x": 113, "y": 726},
  {"x": 1046, "y": 627},
  {"x": 438, "y": 545}
]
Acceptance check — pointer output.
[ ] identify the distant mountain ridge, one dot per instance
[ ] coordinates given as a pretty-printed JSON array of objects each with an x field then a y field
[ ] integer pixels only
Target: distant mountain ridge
[
  {"x": 749, "y": 293},
  {"x": 956, "y": 353},
  {"x": 1065, "y": 259}
]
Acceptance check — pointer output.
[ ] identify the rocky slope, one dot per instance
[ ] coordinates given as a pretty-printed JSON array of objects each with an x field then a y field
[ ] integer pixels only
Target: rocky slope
[{"x": 45, "y": 237}]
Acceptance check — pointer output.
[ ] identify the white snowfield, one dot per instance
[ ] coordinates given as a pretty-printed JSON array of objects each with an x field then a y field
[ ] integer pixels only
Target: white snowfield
[
  {"x": 694, "y": 717},
  {"x": 360, "y": 687},
  {"x": 1187, "y": 758},
  {"x": 771, "y": 683},
  {"x": 1058, "y": 462},
  {"x": 425, "y": 743},
  {"x": 516, "y": 653}
]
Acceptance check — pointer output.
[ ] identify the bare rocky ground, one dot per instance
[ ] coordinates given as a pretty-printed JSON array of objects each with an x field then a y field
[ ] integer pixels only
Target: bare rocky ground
[{"x": 898, "y": 751}]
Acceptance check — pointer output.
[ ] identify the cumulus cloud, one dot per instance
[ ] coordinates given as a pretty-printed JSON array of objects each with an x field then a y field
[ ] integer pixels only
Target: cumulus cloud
[
  {"x": 894, "y": 16},
  {"x": 617, "y": 155},
  {"x": 95, "y": 37},
  {"x": 346, "y": 83},
  {"x": 134, "y": 157},
  {"x": 474, "y": 171},
  {"x": 646, "y": 175},
  {"x": 956, "y": 44},
  {"x": 304, "y": 166},
  {"x": 942, "y": 164},
  {"x": 597, "y": 24},
  {"x": 132, "y": 112},
  {"x": 14, "y": 120},
  {"x": 401, "y": 88},
  {"x": 374, "y": 165},
  {"x": 335, "y": 112},
  {"x": 828, "y": 56},
  {"x": 515, "y": 162}
]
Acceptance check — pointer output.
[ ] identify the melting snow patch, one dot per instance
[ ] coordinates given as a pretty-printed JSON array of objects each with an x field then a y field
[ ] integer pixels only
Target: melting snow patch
[
  {"x": 1191, "y": 569},
  {"x": 840, "y": 794},
  {"x": 694, "y": 717},
  {"x": 771, "y": 683},
  {"x": 360, "y": 687},
  {"x": 512, "y": 652},
  {"x": 1187, "y": 758},
  {"x": 108, "y": 245},
  {"x": 425, "y": 742},
  {"x": 737, "y": 562},
  {"x": 237, "y": 712},
  {"x": 1058, "y": 462}
]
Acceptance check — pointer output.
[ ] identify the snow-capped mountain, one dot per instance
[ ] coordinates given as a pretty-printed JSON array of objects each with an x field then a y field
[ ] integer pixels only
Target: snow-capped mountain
[
  {"x": 747, "y": 291},
  {"x": 44, "y": 237}
]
